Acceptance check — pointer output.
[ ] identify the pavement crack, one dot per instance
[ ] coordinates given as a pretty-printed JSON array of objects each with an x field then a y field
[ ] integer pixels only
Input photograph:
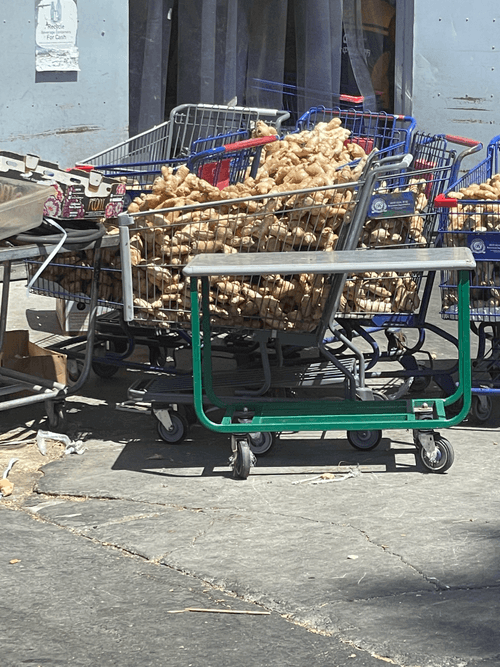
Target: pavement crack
[{"x": 433, "y": 581}]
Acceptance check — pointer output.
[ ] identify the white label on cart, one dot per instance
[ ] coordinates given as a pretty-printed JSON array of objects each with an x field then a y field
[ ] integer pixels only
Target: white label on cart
[{"x": 55, "y": 36}]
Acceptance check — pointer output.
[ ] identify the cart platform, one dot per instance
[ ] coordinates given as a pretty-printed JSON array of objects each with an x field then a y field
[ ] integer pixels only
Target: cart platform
[{"x": 279, "y": 415}]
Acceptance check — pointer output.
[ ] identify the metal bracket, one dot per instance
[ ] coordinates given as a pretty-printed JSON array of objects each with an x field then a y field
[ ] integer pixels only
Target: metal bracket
[
  {"x": 427, "y": 441},
  {"x": 163, "y": 416}
]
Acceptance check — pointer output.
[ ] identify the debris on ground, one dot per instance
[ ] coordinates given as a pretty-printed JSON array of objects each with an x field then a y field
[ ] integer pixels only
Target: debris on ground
[
  {"x": 76, "y": 447},
  {"x": 6, "y": 486},
  {"x": 330, "y": 477}
]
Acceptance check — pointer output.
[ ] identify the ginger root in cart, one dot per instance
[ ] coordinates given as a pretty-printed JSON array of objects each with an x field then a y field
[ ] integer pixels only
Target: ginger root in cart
[
  {"x": 477, "y": 212},
  {"x": 273, "y": 214}
]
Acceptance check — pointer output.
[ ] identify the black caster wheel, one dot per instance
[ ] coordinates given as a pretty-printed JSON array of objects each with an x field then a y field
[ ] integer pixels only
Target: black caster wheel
[
  {"x": 177, "y": 432},
  {"x": 102, "y": 369},
  {"x": 443, "y": 457},
  {"x": 242, "y": 458},
  {"x": 75, "y": 368},
  {"x": 480, "y": 410},
  {"x": 261, "y": 443},
  {"x": 364, "y": 440},
  {"x": 189, "y": 413},
  {"x": 421, "y": 382},
  {"x": 157, "y": 358},
  {"x": 56, "y": 418}
]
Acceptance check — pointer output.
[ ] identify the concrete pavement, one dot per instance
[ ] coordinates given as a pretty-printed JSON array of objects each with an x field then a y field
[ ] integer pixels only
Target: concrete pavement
[{"x": 393, "y": 565}]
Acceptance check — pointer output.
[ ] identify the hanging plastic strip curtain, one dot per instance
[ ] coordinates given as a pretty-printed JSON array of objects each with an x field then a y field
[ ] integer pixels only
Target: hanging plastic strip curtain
[
  {"x": 354, "y": 39},
  {"x": 149, "y": 42},
  {"x": 222, "y": 51}
]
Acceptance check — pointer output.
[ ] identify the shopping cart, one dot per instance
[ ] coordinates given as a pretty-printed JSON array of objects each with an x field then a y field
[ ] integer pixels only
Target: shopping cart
[
  {"x": 139, "y": 177},
  {"x": 386, "y": 132},
  {"x": 70, "y": 277},
  {"x": 20, "y": 388},
  {"x": 187, "y": 123},
  {"x": 470, "y": 215},
  {"x": 282, "y": 308},
  {"x": 398, "y": 304},
  {"x": 296, "y": 100}
]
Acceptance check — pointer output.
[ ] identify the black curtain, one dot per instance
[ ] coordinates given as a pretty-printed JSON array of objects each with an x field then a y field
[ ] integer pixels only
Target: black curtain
[
  {"x": 241, "y": 49},
  {"x": 150, "y": 24},
  {"x": 259, "y": 53}
]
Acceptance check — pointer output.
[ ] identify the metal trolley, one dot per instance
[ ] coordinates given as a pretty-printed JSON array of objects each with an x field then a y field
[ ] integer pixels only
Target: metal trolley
[
  {"x": 247, "y": 415},
  {"x": 386, "y": 132},
  {"x": 19, "y": 388},
  {"x": 280, "y": 308},
  {"x": 470, "y": 217},
  {"x": 118, "y": 340},
  {"x": 369, "y": 307},
  {"x": 187, "y": 123}
]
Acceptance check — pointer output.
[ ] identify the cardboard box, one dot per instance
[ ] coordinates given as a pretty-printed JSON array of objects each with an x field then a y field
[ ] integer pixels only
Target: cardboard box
[
  {"x": 20, "y": 354},
  {"x": 73, "y": 316},
  {"x": 78, "y": 193}
]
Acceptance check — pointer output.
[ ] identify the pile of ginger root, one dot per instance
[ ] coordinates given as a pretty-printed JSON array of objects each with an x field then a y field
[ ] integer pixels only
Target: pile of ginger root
[{"x": 186, "y": 215}]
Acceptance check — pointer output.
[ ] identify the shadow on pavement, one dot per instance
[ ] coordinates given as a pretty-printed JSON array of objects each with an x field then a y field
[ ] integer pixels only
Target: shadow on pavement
[{"x": 291, "y": 455}]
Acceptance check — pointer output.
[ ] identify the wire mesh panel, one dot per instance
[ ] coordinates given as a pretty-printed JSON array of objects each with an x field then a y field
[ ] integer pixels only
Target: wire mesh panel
[
  {"x": 190, "y": 122},
  {"x": 402, "y": 214},
  {"x": 471, "y": 217},
  {"x": 69, "y": 277},
  {"x": 230, "y": 163},
  {"x": 149, "y": 146},
  {"x": 187, "y": 123},
  {"x": 164, "y": 243},
  {"x": 298, "y": 99}
]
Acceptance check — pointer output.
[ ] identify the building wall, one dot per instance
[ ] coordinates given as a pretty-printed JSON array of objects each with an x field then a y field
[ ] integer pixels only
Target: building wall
[
  {"x": 67, "y": 116},
  {"x": 456, "y": 68}
]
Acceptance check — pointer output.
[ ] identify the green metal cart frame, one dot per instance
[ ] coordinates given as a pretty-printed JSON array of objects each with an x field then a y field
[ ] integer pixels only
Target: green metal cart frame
[{"x": 247, "y": 415}]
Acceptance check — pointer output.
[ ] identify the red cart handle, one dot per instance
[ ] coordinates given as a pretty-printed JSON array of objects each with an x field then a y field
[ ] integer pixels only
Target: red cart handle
[
  {"x": 249, "y": 143},
  {"x": 442, "y": 201},
  {"x": 84, "y": 167},
  {"x": 461, "y": 140}
]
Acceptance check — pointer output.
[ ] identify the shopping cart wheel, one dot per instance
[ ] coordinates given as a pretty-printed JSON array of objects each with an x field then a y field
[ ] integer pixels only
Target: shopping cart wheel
[
  {"x": 364, "y": 439},
  {"x": 261, "y": 443},
  {"x": 102, "y": 369},
  {"x": 480, "y": 409},
  {"x": 56, "y": 416},
  {"x": 441, "y": 459},
  {"x": 75, "y": 367},
  {"x": 242, "y": 458},
  {"x": 420, "y": 382},
  {"x": 177, "y": 432}
]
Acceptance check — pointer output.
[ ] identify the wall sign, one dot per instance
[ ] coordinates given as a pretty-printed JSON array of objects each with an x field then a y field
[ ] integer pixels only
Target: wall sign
[{"x": 56, "y": 26}]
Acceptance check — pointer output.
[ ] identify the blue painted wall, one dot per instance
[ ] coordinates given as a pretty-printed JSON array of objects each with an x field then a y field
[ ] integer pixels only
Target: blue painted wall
[
  {"x": 456, "y": 68},
  {"x": 68, "y": 116}
]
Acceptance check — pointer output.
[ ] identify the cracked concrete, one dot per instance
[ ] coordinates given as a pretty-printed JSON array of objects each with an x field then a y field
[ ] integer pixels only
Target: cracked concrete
[
  {"x": 400, "y": 563},
  {"x": 393, "y": 566}
]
